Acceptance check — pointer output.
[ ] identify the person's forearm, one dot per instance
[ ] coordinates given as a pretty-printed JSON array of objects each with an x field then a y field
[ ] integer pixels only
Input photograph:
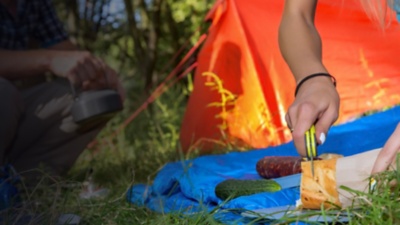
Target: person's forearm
[
  {"x": 19, "y": 64},
  {"x": 300, "y": 45}
]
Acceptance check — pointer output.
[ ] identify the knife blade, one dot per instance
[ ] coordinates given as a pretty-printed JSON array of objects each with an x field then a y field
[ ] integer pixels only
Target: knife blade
[{"x": 289, "y": 181}]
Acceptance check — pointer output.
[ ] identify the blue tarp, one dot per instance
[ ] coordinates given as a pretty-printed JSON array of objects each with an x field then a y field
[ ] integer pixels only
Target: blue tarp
[{"x": 188, "y": 186}]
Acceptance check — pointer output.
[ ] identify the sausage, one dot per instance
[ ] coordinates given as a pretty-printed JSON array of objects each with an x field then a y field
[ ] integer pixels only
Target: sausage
[{"x": 278, "y": 166}]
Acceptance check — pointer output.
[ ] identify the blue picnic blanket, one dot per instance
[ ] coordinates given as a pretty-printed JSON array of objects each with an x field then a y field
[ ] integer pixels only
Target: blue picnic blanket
[{"x": 188, "y": 186}]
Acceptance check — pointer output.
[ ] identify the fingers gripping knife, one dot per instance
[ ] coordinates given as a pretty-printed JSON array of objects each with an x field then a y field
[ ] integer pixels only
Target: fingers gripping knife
[
  {"x": 311, "y": 146},
  {"x": 95, "y": 105}
]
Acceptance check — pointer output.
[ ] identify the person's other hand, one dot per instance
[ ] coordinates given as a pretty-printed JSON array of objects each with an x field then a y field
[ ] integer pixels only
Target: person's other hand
[
  {"x": 84, "y": 70},
  {"x": 387, "y": 156},
  {"x": 77, "y": 66},
  {"x": 109, "y": 79},
  {"x": 317, "y": 102}
]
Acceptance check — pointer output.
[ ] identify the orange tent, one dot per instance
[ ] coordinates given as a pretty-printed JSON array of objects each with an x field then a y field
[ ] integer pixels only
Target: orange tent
[{"x": 243, "y": 87}]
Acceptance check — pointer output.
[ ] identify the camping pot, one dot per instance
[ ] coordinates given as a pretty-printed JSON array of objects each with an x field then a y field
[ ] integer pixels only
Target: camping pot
[{"x": 95, "y": 105}]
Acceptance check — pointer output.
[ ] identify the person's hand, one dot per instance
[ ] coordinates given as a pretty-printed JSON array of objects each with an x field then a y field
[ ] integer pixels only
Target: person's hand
[
  {"x": 79, "y": 67},
  {"x": 85, "y": 71},
  {"x": 109, "y": 79},
  {"x": 317, "y": 102},
  {"x": 387, "y": 156}
]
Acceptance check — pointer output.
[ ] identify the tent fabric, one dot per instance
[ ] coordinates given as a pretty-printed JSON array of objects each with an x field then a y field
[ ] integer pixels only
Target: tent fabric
[
  {"x": 243, "y": 87},
  {"x": 188, "y": 186}
]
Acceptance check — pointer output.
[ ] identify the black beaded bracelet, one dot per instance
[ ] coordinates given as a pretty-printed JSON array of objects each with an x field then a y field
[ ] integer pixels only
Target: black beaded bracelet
[{"x": 311, "y": 76}]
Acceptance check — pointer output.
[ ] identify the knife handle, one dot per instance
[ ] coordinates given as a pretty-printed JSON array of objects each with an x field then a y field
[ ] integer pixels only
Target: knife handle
[{"x": 311, "y": 143}]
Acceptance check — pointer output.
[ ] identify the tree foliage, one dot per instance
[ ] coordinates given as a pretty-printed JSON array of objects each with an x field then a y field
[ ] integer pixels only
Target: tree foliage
[{"x": 138, "y": 37}]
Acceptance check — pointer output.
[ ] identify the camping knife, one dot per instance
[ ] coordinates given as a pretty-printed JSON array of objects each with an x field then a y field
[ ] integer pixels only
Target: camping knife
[{"x": 311, "y": 146}]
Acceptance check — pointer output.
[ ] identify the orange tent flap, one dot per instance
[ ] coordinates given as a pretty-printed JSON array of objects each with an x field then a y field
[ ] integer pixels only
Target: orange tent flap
[{"x": 243, "y": 87}]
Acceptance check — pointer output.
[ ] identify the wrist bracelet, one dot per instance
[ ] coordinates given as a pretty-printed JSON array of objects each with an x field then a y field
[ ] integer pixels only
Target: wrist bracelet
[{"x": 311, "y": 76}]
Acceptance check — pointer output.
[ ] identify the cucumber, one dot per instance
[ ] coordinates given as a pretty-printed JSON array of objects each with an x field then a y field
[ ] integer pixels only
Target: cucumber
[{"x": 233, "y": 188}]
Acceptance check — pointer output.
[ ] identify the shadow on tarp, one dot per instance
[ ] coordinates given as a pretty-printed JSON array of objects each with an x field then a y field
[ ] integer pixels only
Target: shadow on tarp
[{"x": 187, "y": 187}]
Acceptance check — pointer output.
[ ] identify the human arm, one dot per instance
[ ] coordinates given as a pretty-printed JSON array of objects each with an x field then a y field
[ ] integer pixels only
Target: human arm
[
  {"x": 62, "y": 59},
  {"x": 17, "y": 64},
  {"x": 317, "y": 101}
]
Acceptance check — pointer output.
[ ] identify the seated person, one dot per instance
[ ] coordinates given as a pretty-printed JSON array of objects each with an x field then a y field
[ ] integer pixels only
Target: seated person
[{"x": 36, "y": 124}]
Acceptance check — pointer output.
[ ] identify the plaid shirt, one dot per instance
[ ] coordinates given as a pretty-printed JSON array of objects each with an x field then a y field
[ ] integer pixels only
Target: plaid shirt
[{"x": 36, "y": 19}]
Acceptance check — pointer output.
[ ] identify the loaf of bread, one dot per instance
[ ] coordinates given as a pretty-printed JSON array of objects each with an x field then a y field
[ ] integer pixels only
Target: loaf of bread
[
  {"x": 324, "y": 188},
  {"x": 319, "y": 190}
]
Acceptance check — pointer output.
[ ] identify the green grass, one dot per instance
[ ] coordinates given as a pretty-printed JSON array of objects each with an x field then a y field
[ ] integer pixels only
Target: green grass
[{"x": 135, "y": 156}]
